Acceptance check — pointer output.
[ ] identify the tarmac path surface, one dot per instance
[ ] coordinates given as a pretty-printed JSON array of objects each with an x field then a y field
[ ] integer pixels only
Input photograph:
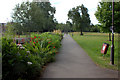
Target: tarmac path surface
[{"x": 73, "y": 62}]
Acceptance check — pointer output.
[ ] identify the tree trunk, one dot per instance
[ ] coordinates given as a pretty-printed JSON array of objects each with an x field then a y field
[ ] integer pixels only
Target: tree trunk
[
  {"x": 81, "y": 32},
  {"x": 109, "y": 36}
]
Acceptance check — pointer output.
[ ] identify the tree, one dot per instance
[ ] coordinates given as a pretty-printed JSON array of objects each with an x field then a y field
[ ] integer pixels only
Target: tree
[
  {"x": 34, "y": 16},
  {"x": 9, "y": 30},
  {"x": 69, "y": 26},
  {"x": 79, "y": 17},
  {"x": 65, "y": 27},
  {"x": 94, "y": 28},
  {"x": 104, "y": 16},
  {"x": 37, "y": 18},
  {"x": 49, "y": 15},
  {"x": 60, "y": 26},
  {"x": 21, "y": 17}
]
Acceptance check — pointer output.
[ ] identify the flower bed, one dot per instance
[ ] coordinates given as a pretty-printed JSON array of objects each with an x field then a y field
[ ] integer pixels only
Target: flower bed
[{"x": 27, "y": 61}]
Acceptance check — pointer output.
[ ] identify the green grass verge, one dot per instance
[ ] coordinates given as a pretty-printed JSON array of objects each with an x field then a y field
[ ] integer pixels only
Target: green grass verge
[
  {"x": 0, "y": 54},
  {"x": 92, "y": 44}
]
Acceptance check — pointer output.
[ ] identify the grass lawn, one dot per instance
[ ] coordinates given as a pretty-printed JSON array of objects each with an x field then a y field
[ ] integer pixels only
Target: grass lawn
[
  {"x": 92, "y": 44},
  {"x": 0, "y": 54}
]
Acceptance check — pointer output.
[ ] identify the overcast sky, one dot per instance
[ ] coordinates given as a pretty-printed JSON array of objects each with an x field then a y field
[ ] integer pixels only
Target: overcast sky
[{"x": 62, "y": 8}]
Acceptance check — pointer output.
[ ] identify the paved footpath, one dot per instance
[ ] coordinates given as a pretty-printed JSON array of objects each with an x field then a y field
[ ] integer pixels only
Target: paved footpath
[{"x": 73, "y": 62}]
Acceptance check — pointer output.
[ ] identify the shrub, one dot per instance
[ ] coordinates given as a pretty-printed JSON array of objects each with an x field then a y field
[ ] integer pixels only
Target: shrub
[{"x": 26, "y": 61}]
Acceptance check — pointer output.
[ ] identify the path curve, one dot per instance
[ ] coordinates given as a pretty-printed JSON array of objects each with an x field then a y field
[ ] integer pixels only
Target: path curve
[{"x": 73, "y": 62}]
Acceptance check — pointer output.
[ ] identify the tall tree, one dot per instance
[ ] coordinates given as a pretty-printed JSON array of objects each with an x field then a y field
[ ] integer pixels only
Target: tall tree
[
  {"x": 69, "y": 26},
  {"x": 49, "y": 15},
  {"x": 21, "y": 16},
  {"x": 104, "y": 16},
  {"x": 32, "y": 16},
  {"x": 79, "y": 17},
  {"x": 95, "y": 28}
]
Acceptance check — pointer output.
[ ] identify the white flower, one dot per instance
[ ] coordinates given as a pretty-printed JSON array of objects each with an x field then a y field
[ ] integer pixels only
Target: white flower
[
  {"x": 22, "y": 47},
  {"x": 28, "y": 52},
  {"x": 18, "y": 44},
  {"x": 29, "y": 63}
]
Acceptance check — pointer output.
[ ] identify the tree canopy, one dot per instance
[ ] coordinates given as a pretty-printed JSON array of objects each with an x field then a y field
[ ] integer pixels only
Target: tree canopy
[
  {"x": 79, "y": 17},
  {"x": 104, "y": 15},
  {"x": 65, "y": 27},
  {"x": 34, "y": 16}
]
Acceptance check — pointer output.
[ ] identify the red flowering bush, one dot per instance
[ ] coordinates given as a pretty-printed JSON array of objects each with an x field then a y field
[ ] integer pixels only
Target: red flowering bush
[{"x": 28, "y": 59}]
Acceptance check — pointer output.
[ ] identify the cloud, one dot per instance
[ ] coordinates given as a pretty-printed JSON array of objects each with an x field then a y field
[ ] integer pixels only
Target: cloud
[
  {"x": 63, "y": 6},
  {"x": 6, "y": 7}
]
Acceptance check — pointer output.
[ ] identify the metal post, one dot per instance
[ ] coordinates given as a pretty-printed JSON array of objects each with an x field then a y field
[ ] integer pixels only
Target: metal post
[{"x": 112, "y": 46}]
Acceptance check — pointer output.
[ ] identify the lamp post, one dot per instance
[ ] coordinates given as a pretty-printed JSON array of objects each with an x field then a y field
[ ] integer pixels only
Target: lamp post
[{"x": 112, "y": 46}]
